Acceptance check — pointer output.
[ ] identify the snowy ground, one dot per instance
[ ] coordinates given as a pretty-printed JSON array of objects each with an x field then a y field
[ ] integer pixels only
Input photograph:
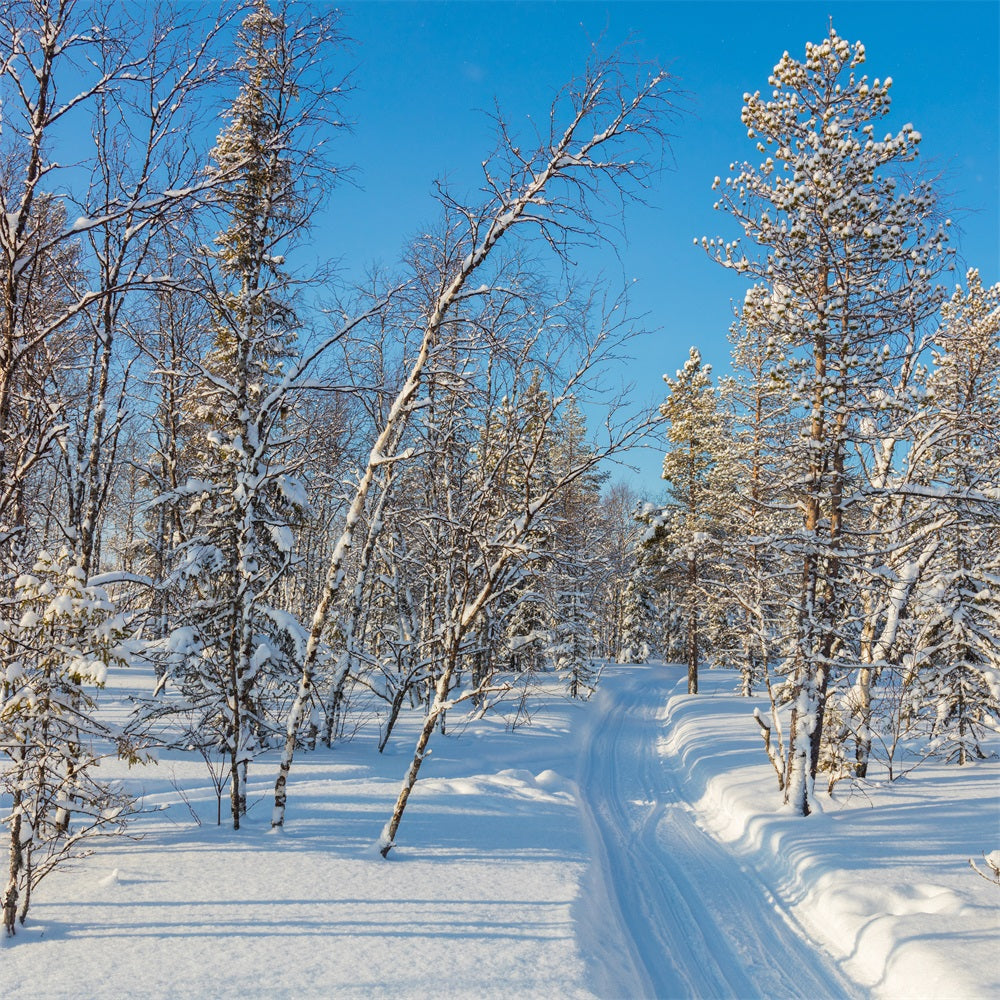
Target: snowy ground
[{"x": 627, "y": 847}]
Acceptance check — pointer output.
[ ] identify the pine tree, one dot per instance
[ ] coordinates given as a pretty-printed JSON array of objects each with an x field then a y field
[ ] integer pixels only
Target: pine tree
[
  {"x": 232, "y": 653},
  {"x": 694, "y": 437},
  {"x": 956, "y": 649},
  {"x": 639, "y": 633},
  {"x": 571, "y": 576},
  {"x": 526, "y": 473},
  {"x": 61, "y": 636},
  {"x": 757, "y": 400},
  {"x": 849, "y": 249},
  {"x": 615, "y": 551}
]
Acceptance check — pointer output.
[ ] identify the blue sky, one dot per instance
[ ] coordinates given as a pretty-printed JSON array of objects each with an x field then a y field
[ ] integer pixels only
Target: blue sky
[{"x": 426, "y": 72}]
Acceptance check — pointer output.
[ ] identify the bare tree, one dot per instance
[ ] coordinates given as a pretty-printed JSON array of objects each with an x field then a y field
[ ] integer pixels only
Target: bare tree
[
  {"x": 63, "y": 285},
  {"x": 497, "y": 529},
  {"x": 587, "y": 155}
]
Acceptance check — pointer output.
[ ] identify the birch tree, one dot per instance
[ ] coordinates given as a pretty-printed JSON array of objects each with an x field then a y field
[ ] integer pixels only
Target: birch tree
[
  {"x": 503, "y": 543},
  {"x": 63, "y": 284},
  {"x": 43, "y": 46},
  {"x": 589, "y": 151}
]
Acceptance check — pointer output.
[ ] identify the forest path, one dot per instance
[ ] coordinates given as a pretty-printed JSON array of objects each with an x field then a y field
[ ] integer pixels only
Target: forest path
[{"x": 693, "y": 920}]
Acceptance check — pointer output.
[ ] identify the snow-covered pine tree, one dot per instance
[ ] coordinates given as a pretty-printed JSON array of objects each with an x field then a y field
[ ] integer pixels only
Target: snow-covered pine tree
[
  {"x": 61, "y": 637},
  {"x": 615, "y": 555},
  {"x": 666, "y": 569},
  {"x": 691, "y": 468},
  {"x": 571, "y": 577},
  {"x": 955, "y": 679},
  {"x": 849, "y": 247},
  {"x": 515, "y": 467},
  {"x": 640, "y": 635},
  {"x": 757, "y": 402}
]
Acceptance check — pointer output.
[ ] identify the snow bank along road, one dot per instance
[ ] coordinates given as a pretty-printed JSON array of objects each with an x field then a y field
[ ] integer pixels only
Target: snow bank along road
[{"x": 671, "y": 912}]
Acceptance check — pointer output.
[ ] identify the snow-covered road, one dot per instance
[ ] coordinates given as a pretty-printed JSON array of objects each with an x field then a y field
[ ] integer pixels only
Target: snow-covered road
[{"x": 671, "y": 912}]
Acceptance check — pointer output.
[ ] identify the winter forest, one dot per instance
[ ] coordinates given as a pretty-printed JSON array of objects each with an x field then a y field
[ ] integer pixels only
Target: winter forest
[{"x": 256, "y": 523}]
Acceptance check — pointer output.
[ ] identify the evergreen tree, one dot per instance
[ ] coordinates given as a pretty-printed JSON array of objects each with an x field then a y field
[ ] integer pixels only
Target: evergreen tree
[
  {"x": 666, "y": 569},
  {"x": 694, "y": 438},
  {"x": 571, "y": 579},
  {"x": 233, "y": 652},
  {"x": 527, "y": 473},
  {"x": 615, "y": 551},
  {"x": 757, "y": 401},
  {"x": 956, "y": 649},
  {"x": 639, "y": 633},
  {"x": 62, "y": 637},
  {"x": 849, "y": 249}
]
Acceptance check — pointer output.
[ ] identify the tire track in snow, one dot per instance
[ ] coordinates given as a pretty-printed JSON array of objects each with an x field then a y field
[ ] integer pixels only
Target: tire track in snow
[{"x": 696, "y": 922}]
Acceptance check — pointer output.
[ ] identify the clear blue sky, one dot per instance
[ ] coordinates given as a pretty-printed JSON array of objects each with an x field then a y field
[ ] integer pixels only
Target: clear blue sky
[{"x": 425, "y": 72}]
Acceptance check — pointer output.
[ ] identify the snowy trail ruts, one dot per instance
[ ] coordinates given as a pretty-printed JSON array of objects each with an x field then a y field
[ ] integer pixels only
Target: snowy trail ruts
[{"x": 698, "y": 922}]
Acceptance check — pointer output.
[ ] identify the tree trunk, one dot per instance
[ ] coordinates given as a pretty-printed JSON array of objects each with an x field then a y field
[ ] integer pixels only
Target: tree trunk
[
  {"x": 397, "y": 704},
  {"x": 16, "y": 866},
  {"x": 387, "y": 840},
  {"x": 692, "y": 629}
]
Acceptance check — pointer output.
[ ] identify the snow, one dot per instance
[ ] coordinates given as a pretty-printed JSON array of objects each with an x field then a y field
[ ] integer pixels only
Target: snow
[
  {"x": 880, "y": 878},
  {"x": 702, "y": 922},
  {"x": 283, "y": 537},
  {"x": 293, "y": 490},
  {"x": 629, "y": 846}
]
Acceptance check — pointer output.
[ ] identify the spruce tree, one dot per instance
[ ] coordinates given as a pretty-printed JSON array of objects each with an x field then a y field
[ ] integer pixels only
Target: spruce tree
[
  {"x": 757, "y": 401},
  {"x": 955, "y": 681},
  {"x": 232, "y": 652},
  {"x": 639, "y": 632},
  {"x": 522, "y": 439},
  {"x": 571, "y": 576},
  {"x": 63, "y": 635}
]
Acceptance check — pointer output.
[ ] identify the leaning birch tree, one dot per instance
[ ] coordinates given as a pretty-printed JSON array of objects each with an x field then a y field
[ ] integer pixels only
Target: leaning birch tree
[
  {"x": 588, "y": 153},
  {"x": 499, "y": 530}
]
